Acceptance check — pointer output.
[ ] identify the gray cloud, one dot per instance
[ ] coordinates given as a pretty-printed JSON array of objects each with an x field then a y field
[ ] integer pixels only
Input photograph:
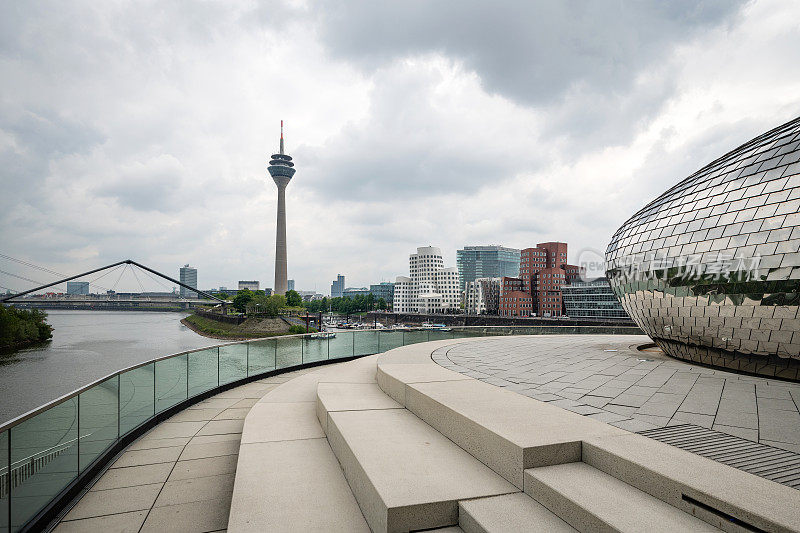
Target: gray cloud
[
  {"x": 531, "y": 52},
  {"x": 143, "y": 129}
]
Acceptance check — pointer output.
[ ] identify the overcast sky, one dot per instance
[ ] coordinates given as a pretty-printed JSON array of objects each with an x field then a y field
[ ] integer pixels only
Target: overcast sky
[{"x": 143, "y": 130}]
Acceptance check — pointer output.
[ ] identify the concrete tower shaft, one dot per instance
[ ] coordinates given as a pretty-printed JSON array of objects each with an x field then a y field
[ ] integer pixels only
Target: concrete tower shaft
[{"x": 281, "y": 169}]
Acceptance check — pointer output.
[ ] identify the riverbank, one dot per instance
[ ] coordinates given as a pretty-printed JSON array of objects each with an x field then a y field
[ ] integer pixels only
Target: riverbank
[
  {"x": 21, "y": 328},
  {"x": 252, "y": 328}
]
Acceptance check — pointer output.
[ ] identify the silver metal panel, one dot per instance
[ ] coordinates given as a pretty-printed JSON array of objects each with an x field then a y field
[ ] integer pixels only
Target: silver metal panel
[{"x": 711, "y": 268}]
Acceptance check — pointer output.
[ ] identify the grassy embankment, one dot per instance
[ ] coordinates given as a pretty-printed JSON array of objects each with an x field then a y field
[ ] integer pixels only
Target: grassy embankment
[
  {"x": 252, "y": 328},
  {"x": 20, "y": 328}
]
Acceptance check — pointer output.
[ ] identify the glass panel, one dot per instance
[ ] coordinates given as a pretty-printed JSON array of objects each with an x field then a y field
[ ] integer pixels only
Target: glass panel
[
  {"x": 136, "y": 397},
  {"x": 170, "y": 382},
  {"x": 44, "y": 459},
  {"x": 415, "y": 336},
  {"x": 341, "y": 345},
  {"x": 315, "y": 348},
  {"x": 5, "y": 481},
  {"x": 202, "y": 371},
  {"x": 389, "y": 340},
  {"x": 99, "y": 419},
  {"x": 288, "y": 352},
  {"x": 366, "y": 342},
  {"x": 261, "y": 356},
  {"x": 232, "y": 362},
  {"x": 435, "y": 335}
]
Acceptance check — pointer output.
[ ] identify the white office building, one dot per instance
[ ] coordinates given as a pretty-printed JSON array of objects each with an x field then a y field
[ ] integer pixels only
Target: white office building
[
  {"x": 431, "y": 288},
  {"x": 482, "y": 296}
]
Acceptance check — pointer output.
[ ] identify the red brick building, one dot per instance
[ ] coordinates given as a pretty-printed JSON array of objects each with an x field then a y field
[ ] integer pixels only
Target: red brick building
[{"x": 537, "y": 290}]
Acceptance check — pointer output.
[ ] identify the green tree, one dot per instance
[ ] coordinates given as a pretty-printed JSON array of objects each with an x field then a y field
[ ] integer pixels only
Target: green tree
[
  {"x": 293, "y": 299},
  {"x": 241, "y": 300},
  {"x": 382, "y": 304},
  {"x": 222, "y": 295},
  {"x": 274, "y": 304}
]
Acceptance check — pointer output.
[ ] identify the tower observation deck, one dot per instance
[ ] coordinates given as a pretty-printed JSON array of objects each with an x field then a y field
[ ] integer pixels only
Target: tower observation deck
[{"x": 281, "y": 169}]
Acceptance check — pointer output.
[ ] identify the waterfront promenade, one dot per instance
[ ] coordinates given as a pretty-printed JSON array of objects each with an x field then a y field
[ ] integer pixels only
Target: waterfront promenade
[
  {"x": 179, "y": 475},
  {"x": 608, "y": 378},
  {"x": 396, "y": 441}
]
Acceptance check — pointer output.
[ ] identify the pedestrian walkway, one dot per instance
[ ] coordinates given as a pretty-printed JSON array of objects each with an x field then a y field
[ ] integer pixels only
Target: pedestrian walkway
[
  {"x": 179, "y": 475},
  {"x": 608, "y": 378}
]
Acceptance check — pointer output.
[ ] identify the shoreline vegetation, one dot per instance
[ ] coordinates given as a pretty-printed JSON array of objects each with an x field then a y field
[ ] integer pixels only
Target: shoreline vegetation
[
  {"x": 22, "y": 328},
  {"x": 252, "y": 328}
]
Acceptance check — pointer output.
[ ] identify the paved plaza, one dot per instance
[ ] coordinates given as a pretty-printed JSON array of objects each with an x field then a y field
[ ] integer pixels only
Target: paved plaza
[
  {"x": 179, "y": 475},
  {"x": 606, "y": 377}
]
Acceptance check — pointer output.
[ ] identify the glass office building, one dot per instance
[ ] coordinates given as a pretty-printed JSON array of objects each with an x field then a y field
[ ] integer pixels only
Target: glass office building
[
  {"x": 492, "y": 261},
  {"x": 711, "y": 268},
  {"x": 591, "y": 299}
]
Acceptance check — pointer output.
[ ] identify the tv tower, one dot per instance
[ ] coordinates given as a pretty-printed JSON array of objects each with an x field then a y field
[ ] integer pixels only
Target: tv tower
[{"x": 281, "y": 169}]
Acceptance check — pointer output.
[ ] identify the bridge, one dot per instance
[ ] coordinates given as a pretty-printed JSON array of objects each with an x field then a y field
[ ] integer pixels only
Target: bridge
[{"x": 112, "y": 300}]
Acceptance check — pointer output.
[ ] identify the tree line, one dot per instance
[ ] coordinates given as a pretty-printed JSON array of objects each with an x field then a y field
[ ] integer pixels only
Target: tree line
[{"x": 247, "y": 301}]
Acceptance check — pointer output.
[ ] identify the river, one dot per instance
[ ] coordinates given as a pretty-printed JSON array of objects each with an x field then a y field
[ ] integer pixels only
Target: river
[{"x": 88, "y": 345}]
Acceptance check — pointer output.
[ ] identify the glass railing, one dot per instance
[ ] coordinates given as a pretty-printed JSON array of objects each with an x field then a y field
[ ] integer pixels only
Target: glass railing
[{"x": 45, "y": 451}]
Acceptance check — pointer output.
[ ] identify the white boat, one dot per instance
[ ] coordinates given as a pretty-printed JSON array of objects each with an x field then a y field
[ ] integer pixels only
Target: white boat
[
  {"x": 437, "y": 327},
  {"x": 323, "y": 335},
  {"x": 401, "y": 327}
]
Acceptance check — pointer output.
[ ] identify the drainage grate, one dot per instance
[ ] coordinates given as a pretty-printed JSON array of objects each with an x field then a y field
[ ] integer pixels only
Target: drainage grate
[{"x": 771, "y": 463}]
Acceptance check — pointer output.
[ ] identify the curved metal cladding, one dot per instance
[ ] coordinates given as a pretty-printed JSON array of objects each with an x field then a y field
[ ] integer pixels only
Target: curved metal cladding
[{"x": 711, "y": 268}]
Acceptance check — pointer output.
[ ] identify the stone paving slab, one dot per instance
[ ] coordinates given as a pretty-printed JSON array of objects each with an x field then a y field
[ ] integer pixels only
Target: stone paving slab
[
  {"x": 179, "y": 475},
  {"x": 608, "y": 378}
]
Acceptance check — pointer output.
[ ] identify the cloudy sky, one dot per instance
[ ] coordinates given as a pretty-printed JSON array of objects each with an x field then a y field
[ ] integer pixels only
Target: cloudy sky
[{"x": 143, "y": 129}]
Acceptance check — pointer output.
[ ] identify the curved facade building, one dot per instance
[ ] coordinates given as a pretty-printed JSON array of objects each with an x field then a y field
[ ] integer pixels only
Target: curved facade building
[{"x": 711, "y": 268}]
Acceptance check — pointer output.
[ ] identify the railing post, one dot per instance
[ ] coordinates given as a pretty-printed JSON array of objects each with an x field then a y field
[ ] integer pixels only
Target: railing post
[
  {"x": 78, "y": 419},
  {"x": 119, "y": 407},
  {"x": 302, "y": 351},
  {"x": 329, "y": 348},
  {"x": 246, "y": 359},
  {"x": 10, "y": 525},
  {"x": 217, "y": 366},
  {"x": 154, "y": 388},
  {"x": 187, "y": 376},
  {"x": 354, "y": 344}
]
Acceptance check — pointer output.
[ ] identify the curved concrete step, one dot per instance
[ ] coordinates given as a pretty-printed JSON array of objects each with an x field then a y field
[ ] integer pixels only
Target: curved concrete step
[
  {"x": 287, "y": 477},
  {"x": 591, "y": 500},
  {"x": 406, "y": 475},
  {"x": 503, "y": 429},
  {"x": 509, "y": 513}
]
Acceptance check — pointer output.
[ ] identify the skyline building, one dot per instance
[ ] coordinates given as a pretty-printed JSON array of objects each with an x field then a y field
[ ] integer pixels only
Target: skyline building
[
  {"x": 281, "y": 169},
  {"x": 492, "y": 261},
  {"x": 251, "y": 285},
  {"x": 337, "y": 287},
  {"x": 482, "y": 296},
  {"x": 384, "y": 289},
  {"x": 290, "y": 285},
  {"x": 78, "y": 287},
  {"x": 543, "y": 270},
  {"x": 430, "y": 288},
  {"x": 188, "y": 276},
  {"x": 591, "y": 299}
]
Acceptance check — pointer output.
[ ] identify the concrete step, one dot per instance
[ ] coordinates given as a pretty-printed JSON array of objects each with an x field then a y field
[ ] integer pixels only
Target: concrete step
[
  {"x": 591, "y": 500},
  {"x": 695, "y": 484},
  {"x": 287, "y": 476},
  {"x": 508, "y": 513},
  {"x": 504, "y": 430},
  {"x": 404, "y": 474}
]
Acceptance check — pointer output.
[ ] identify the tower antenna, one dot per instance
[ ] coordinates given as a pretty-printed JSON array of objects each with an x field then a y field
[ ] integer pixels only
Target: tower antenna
[{"x": 281, "y": 137}]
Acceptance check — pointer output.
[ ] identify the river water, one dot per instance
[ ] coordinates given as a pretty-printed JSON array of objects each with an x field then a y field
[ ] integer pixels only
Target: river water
[{"x": 88, "y": 345}]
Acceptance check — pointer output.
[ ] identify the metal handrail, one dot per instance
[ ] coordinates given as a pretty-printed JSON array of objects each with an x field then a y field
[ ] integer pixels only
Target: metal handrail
[{"x": 61, "y": 399}]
